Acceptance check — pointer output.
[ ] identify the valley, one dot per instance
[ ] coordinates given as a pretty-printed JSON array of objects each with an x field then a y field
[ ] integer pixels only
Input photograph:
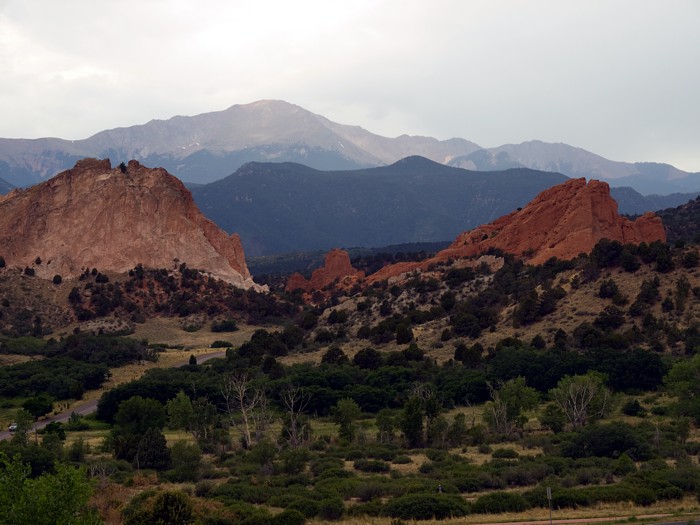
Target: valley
[{"x": 552, "y": 347}]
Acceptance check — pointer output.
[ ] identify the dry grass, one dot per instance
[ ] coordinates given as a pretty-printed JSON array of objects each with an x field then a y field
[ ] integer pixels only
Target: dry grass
[
  {"x": 183, "y": 344},
  {"x": 686, "y": 509},
  {"x": 169, "y": 331}
]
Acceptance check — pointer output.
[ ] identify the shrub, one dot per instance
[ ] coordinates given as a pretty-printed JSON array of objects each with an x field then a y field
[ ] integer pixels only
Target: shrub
[
  {"x": 505, "y": 453},
  {"x": 371, "y": 465},
  {"x": 221, "y": 344},
  {"x": 288, "y": 517},
  {"x": 331, "y": 509},
  {"x": 309, "y": 508},
  {"x": 644, "y": 496},
  {"x": 632, "y": 408},
  {"x": 499, "y": 502},
  {"x": 427, "y": 506},
  {"x": 173, "y": 508},
  {"x": 227, "y": 325}
]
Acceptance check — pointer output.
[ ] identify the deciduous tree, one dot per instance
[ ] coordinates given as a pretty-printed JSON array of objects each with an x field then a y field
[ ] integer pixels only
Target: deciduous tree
[{"x": 582, "y": 398}]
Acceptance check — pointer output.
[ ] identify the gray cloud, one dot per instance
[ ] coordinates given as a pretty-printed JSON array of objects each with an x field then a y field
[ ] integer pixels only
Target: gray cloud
[{"x": 617, "y": 78}]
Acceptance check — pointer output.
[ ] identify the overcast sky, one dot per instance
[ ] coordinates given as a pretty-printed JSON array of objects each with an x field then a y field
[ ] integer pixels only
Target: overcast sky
[{"x": 619, "y": 78}]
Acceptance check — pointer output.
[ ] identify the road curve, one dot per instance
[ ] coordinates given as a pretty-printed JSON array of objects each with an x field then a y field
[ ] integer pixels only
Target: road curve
[{"x": 89, "y": 407}]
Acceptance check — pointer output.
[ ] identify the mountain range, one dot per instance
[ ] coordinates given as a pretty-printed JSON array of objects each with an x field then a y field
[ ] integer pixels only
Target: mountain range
[
  {"x": 287, "y": 207},
  {"x": 207, "y": 147}
]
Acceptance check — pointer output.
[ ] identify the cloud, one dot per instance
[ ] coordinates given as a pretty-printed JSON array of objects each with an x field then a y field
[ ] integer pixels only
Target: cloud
[{"x": 616, "y": 78}]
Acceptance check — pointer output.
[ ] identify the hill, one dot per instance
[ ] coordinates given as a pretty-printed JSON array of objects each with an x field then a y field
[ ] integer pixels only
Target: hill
[
  {"x": 682, "y": 223},
  {"x": 279, "y": 208}
]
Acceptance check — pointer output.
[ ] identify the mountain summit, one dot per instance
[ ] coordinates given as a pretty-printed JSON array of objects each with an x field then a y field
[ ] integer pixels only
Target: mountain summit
[
  {"x": 96, "y": 216},
  {"x": 208, "y": 147}
]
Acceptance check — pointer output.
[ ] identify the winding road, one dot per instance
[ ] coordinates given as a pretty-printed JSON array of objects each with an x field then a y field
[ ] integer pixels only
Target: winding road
[{"x": 89, "y": 407}]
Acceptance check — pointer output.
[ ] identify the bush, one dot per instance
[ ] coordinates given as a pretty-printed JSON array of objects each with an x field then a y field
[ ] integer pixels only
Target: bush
[
  {"x": 227, "y": 325},
  {"x": 427, "y": 506},
  {"x": 331, "y": 509},
  {"x": 505, "y": 453},
  {"x": 632, "y": 408},
  {"x": 309, "y": 508},
  {"x": 371, "y": 465},
  {"x": 221, "y": 344},
  {"x": 499, "y": 502},
  {"x": 288, "y": 517}
]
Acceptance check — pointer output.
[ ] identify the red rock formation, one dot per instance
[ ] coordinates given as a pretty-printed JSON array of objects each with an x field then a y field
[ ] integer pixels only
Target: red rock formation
[
  {"x": 93, "y": 216},
  {"x": 336, "y": 267},
  {"x": 561, "y": 222}
]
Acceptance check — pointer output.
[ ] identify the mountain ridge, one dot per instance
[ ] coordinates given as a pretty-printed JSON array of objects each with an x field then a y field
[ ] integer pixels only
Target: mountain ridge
[
  {"x": 207, "y": 147},
  {"x": 285, "y": 207}
]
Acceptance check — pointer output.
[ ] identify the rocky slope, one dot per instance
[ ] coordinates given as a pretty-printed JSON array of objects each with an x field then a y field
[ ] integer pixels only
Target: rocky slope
[
  {"x": 96, "y": 216},
  {"x": 560, "y": 222}
]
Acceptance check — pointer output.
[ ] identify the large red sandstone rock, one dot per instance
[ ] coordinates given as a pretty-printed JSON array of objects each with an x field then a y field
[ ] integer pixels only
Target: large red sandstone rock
[
  {"x": 93, "y": 216},
  {"x": 336, "y": 268},
  {"x": 562, "y": 222}
]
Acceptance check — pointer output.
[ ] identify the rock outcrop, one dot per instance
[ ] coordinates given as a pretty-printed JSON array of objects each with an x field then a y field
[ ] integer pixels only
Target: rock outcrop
[
  {"x": 562, "y": 222},
  {"x": 336, "y": 269},
  {"x": 96, "y": 216}
]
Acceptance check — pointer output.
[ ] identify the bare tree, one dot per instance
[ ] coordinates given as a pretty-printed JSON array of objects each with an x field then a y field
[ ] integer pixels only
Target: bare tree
[
  {"x": 242, "y": 400},
  {"x": 262, "y": 417},
  {"x": 504, "y": 413},
  {"x": 582, "y": 398},
  {"x": 295, "y": 400}
]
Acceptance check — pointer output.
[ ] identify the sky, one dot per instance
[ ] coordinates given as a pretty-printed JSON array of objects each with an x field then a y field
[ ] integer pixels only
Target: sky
[{"x": 616, "y": 77}]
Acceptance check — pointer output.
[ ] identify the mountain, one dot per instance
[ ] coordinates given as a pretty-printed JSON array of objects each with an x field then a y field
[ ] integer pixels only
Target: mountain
[
  {"x": 631, "y": 202},
  {"x": 286, "y": 207},
  {"x": 645, "y": 177},
  {"x": 112, "y": 219},
  {"x": 562, "y": 222},
  {"x": 207, "y": 147},
  {"x": 5, "y": 187}
]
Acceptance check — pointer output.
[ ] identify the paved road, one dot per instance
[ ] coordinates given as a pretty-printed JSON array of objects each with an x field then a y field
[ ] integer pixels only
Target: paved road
[{"x": 90, "y": 406}]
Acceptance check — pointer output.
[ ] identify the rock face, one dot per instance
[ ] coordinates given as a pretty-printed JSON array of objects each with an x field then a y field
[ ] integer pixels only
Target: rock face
[
  {"x": 560, "y": 222},
  {"x": 94, "y": 216},
  {"x": 336, "y": 268}
]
